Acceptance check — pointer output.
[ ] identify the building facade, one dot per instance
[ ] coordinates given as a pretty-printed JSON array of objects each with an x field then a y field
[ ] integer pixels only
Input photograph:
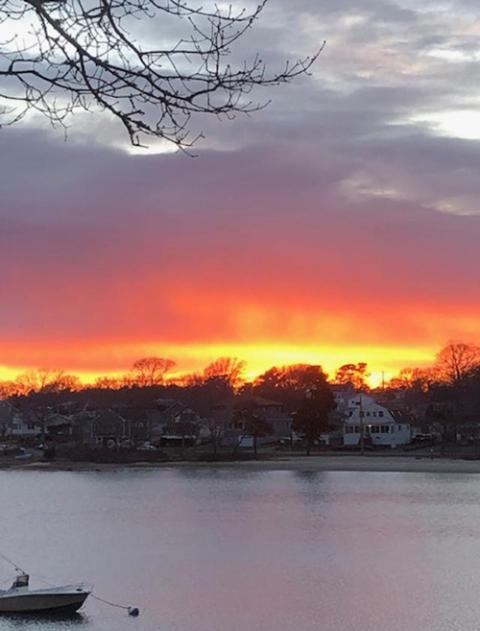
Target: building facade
[{"x": 381, "y": 426}]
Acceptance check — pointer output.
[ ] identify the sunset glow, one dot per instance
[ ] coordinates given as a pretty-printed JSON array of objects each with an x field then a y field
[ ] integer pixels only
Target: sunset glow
[
  {"x": 339, "y": 225},
  {"x": 384, "y": 362}
]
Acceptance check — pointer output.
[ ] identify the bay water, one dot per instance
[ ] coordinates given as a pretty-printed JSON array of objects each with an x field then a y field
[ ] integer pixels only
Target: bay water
[{"x": 227, "y": 549}]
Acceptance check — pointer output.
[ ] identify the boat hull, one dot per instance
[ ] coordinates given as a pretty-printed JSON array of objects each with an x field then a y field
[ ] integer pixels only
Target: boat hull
[{"x": 43, "y": 603}]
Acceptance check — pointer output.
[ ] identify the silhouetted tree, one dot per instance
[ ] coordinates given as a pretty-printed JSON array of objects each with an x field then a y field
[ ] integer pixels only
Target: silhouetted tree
[
  {"x": 228, "y": 369},
  {"x": 108, "y": 383},
  {"x": 45, "y": 380},
  {"x": 120, "y": 55},
  {"x": 311, "y": 418},
  {"x": 216, "y": 433},
  {"x": 412, "y": 379},
  {"x": 289, "y": 384},
  {"x": 456, "y": 361},
  {"x": 246, "y": 414},
  {"x": 203, "y": 396},
  {"x": 151, "y": 371},
  {"x": 354, "y": 374}
]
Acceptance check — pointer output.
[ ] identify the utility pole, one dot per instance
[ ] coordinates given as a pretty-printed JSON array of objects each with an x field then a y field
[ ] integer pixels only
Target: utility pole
[{"x": 362, "y": 427}]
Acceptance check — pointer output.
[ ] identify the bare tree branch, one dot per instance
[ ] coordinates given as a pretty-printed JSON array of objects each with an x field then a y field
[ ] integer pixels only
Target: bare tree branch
[{"x": 82, "y": 54}]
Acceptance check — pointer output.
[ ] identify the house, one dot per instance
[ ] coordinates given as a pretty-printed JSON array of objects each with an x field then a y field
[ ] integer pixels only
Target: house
[
  {"x": 266, "y": 410},
  {"x": 11, "y": 421},
  {"x": 138, "y": 423},
  {"x": 381, "y": 426},
  {"x": 31, "y": 424},
  {"x": 109, "y": 428},
  {"x": 25, "y": 425},
  {"x": 174, "y": 422},
  {"x": 181, "y": 432},
  {"x": 83, "y": 427},
  {"x": 59, "y": 426}
]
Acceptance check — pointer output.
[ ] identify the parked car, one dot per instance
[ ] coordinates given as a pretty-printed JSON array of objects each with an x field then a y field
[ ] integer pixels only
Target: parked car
[
  {"x": 23, "y": 454},
  {"x": 293, "y": 439},
  {"x": 147, "y": 447},
  {"x": 426, "y": 439}
]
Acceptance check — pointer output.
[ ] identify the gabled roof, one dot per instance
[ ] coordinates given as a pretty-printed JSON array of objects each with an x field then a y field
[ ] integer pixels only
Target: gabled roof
[
  {"x": 259, "y": 402},
  {"x": 58, "y": 419},
  {"x": 6, "y": 411},
  {"x": 402, "y": 416}
]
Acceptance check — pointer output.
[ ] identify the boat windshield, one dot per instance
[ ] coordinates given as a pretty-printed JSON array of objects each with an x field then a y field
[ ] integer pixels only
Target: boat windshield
[{"x": 20, "y": 581}]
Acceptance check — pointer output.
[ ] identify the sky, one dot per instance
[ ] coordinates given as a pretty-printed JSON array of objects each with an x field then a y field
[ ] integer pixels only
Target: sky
[{"x": 341, "y": 224}]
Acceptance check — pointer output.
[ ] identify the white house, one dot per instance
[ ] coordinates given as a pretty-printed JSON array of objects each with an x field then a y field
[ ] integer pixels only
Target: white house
[
  {"x": 22, "y": 427},
  {"x": 381, "y": 426}
]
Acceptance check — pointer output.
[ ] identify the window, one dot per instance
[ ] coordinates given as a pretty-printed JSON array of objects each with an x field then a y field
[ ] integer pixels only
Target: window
[
  {"x": 380, "y": 414},
  {"x": 362, "y": 413},
  {"x": 374, "y": 414},
  {"x": 368, "y": 413},
  {"x": 31, "y": 426}
]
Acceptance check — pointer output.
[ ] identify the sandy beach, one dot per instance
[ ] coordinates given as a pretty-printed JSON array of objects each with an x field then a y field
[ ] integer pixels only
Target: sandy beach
[
  {"x": 354, "y": 463},
  {"x": 313, "y": 463}
]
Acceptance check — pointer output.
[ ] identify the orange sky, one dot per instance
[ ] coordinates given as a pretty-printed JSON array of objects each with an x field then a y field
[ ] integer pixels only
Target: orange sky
[
  {"x": 259, "y": 358},
  {"x": 89, "y": 311},
  {"x": 261, "y": 337},
  {"x": 333, "y": 227}
]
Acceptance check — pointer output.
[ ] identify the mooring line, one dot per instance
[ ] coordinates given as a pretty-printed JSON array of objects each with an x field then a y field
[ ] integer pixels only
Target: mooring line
[{"x": 132, "y": 611}]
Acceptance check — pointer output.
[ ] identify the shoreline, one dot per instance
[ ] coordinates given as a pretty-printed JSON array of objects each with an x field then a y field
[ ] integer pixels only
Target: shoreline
[{"x": 312, "y": 464}]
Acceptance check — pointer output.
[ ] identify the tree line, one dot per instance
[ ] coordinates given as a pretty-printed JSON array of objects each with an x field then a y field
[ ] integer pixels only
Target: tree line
[
  {"x": 455, "y": 364},
  {"x": 448, "y": 391}
]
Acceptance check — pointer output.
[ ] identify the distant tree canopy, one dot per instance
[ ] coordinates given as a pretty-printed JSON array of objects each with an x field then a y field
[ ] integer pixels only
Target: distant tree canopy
[
  {"x": 419, "y": 379},
  {"x": 245, "y": 413},
  {"x": 151, "y": 64},
  {"x": 151, "y": 371},
  {"x": 354, "y": 374},
  {"x": 289, "y": 384},
  {"x": 44, "y": 380},
  {"x": 449, "y": 388},
  {"x": 456, "y": 362},
  {"x": 228, "y": 369},
  {"x": 311, "y": 417},
  {"x": 109, "y": 383}
]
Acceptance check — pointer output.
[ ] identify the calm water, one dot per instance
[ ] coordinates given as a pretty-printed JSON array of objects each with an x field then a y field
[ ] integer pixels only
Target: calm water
[{"x": 202, "y": 550}]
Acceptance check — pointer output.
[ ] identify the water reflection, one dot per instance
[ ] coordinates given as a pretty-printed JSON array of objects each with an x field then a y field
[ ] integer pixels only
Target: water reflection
[
  {"x": 234, "y": 550},
  {"x": 41, "y": 623}
]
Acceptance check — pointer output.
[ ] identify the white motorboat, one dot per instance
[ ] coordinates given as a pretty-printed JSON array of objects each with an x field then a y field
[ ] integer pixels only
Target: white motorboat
[{"x": 20, "y": 599}]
